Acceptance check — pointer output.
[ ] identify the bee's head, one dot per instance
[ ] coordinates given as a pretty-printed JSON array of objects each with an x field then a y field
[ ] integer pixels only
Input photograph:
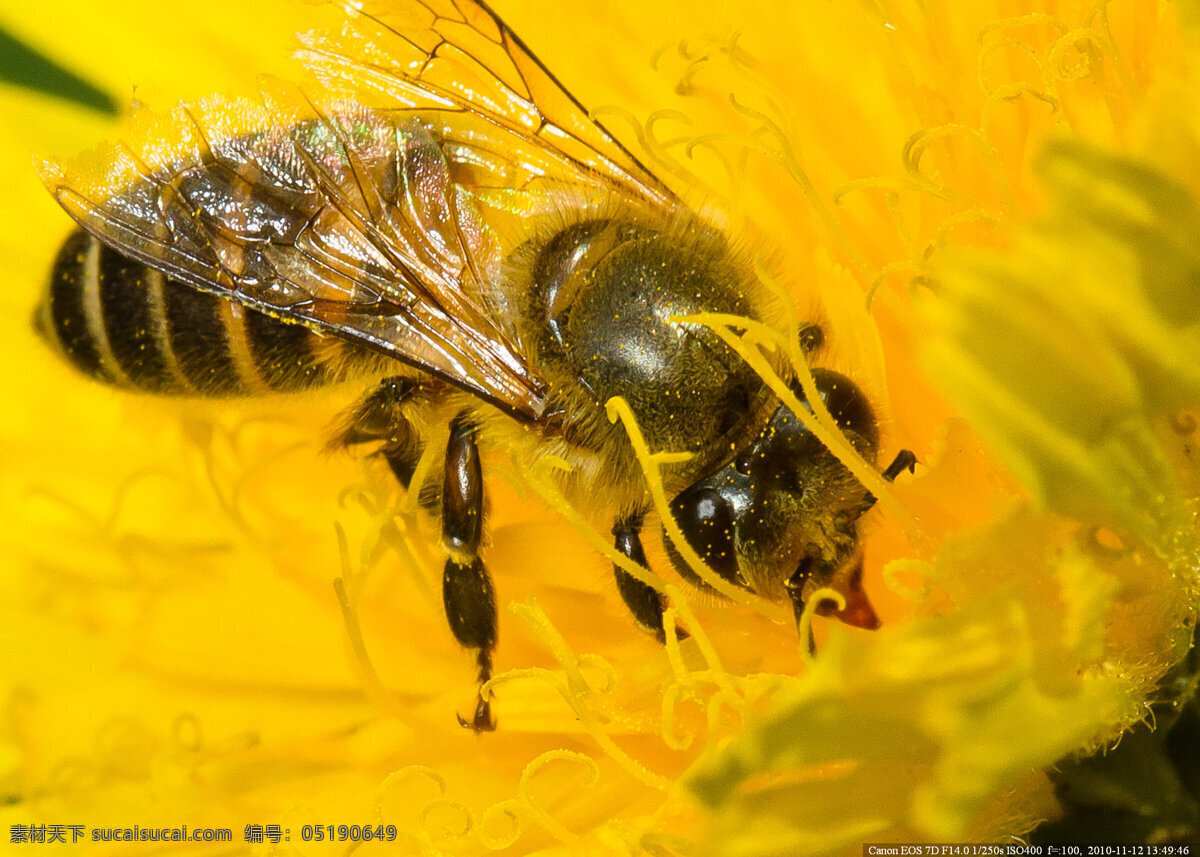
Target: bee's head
[{"x": 781, "y": 518}]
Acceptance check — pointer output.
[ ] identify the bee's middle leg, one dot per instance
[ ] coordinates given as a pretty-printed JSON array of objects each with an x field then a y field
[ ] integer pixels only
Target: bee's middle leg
[{"x": 467, "y": 590}]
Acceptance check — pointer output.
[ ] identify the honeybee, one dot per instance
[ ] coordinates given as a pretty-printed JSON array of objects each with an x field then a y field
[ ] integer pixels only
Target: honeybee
[{"x": 449, "y": 226}]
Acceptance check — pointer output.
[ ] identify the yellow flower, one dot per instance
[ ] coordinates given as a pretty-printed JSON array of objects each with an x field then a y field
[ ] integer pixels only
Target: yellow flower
[{"x": 208, "y": 622}]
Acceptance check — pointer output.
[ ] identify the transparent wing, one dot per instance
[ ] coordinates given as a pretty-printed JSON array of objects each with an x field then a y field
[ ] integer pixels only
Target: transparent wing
[
  {"x": 361, "y": 216},
  {"x": 344, "y": 219},
  {"x": 458, "y": 59}
]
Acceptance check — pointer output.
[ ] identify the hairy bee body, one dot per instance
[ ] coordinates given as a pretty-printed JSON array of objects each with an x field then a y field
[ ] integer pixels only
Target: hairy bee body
[
  {"x": 592, "y": 304},
  {"x": 589, "y": 296}
]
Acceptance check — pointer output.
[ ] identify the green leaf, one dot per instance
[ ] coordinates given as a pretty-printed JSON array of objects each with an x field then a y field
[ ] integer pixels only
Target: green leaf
[{"x": 23, "y": 66}]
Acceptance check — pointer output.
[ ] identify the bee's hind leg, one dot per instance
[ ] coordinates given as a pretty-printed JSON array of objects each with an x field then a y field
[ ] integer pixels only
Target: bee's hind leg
[
  {"x": 379, "y": 418},
  {"x": 645, "y": 602},
  {"x": 467, "y": 591}
]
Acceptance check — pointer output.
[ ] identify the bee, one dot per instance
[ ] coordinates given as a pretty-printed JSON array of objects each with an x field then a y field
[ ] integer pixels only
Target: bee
[{"x": 449, "y": 227}]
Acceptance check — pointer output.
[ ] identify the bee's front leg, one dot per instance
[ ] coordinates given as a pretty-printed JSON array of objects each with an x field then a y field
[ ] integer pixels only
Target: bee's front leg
[
  {"x": 467, "y": 590},
  {"x": 646, "y": 603}
]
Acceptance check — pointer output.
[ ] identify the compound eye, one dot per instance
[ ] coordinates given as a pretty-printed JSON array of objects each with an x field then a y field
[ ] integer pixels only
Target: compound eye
[
  {"x": 707, "y": 523},
  {"x": 847, "y": 404}
]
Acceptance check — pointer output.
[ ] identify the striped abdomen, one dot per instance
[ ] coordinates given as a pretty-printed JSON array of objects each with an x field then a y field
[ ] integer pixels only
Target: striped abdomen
[{"x": 128, "y": 325}]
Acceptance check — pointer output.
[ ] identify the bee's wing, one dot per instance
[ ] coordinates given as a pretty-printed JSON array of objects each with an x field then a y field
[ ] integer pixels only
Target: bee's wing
[
  {"x": 457, "y": 57},
  {"x": 359, "y": 219},
  {"x": 344, "y": 219}
]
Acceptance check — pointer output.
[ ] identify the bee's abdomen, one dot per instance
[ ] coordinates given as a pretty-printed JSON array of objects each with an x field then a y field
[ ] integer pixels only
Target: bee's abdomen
[{"x": 128, "y": 325}]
